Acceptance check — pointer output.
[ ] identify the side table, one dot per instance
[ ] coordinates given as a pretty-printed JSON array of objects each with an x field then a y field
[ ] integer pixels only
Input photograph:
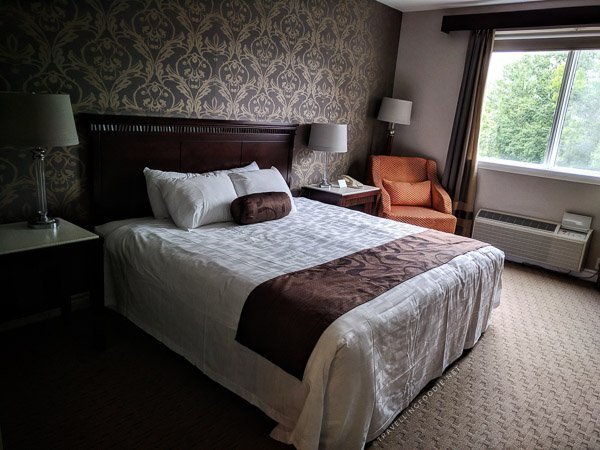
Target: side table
[{"x": 365, "y": 197}]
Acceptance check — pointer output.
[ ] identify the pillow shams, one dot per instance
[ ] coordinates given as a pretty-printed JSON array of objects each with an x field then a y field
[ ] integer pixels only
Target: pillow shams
[
  {"x": 159, "y": 209},
  {"x": 153, "y": 177},
  {"x": 197, "y": 201},
  {"x": 258, "y": 181}
]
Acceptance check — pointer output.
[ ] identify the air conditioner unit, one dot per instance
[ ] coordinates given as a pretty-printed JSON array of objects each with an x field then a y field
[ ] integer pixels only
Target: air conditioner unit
[{"x": 532, "y": 240}]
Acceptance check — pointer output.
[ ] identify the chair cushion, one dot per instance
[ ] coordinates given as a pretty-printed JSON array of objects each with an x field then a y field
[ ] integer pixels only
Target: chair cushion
[
  {"x": 423, "y": 217},
  {"x": 409, "y": 194}
]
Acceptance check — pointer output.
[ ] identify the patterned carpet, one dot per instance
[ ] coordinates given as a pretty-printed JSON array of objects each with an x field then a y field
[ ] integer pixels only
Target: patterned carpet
[
  {"x": 59, "y": 392},
  {"x": 533, "y": 381}
]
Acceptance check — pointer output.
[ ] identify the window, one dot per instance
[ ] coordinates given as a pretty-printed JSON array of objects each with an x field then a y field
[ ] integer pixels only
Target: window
[{"x": 542, "y": 111}]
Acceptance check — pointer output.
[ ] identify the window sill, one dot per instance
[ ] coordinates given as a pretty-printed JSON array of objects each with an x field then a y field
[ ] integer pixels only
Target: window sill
[{"x": 510, "y": 167}]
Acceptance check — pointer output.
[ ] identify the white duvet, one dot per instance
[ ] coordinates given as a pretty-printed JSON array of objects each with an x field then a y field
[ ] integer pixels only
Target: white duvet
[{"x": 187, "y": 289}]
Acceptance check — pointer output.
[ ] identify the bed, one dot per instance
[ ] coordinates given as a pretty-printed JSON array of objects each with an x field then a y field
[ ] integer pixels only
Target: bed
[{"x": 188, "y": 288}]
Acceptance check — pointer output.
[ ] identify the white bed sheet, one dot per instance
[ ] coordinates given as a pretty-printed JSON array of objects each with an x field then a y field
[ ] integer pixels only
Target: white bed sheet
[{"x": 187, "y": 289}]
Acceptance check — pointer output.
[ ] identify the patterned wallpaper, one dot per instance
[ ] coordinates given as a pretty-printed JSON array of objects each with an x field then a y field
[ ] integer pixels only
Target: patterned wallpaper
[{"x": 298, "y": 61}]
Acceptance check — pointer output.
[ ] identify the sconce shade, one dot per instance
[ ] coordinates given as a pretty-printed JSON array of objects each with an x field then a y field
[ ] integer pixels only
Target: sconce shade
[
  {"x": 395, "y": 111},
  {"x": 36, "y": 120},
  {"x": 328, "y": 137}
]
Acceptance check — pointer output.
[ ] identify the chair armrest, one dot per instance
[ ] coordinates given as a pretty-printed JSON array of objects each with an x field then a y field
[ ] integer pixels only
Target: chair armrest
[
  {"x": 440, "y": 200},
  {"x": 386, "y": 202}
]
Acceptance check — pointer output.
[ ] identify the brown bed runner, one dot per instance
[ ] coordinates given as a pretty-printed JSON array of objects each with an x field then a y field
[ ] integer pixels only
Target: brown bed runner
[{"x": 283, "y": 318}]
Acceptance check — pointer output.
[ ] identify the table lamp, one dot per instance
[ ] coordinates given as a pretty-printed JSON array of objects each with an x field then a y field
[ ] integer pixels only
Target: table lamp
[
  {"x": 393, "y": 110},
  {"x": 39, "y": 122},
  {"x": 328, "y": 138}
]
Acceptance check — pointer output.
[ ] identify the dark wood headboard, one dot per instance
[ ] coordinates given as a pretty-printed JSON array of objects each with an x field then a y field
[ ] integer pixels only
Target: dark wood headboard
[{"x": 121, "y": 146}]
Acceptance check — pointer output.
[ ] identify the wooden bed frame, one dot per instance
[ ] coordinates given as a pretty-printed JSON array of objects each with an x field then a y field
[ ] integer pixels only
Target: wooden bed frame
[{"x": 121, "y": 146}]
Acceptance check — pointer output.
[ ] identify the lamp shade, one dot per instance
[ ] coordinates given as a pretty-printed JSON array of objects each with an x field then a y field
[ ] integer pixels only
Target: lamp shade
[
  {"x": 328, "y": 137},
  {"x": 36, "y": 120},
  {"x": 395, "y": 111}
]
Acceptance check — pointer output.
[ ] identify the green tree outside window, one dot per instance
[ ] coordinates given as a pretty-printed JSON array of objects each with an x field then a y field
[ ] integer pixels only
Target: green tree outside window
[{"x": 526, "y": 120}]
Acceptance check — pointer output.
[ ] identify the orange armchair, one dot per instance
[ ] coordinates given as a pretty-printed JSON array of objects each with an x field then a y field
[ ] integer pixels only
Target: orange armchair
[{"x": 411, "y": 192}]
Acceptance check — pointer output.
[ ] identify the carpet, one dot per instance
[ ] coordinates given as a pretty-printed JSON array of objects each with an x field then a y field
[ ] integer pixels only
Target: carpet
[
  {"x": 532, "y": 381},
  {"x": 57, "y": 391}
]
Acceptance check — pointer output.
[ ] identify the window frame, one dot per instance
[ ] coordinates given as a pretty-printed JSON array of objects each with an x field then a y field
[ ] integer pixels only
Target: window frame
[{"x": 547, "y": 168}]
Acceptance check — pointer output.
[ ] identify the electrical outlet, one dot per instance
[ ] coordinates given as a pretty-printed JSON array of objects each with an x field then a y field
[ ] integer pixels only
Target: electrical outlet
[{"x": 597, "y": 266}]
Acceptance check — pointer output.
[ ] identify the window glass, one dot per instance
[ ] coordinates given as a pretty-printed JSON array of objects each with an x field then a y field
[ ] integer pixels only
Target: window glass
[
  {"x": 521, "y": 97},
  {"x": 579, "y": 138}
]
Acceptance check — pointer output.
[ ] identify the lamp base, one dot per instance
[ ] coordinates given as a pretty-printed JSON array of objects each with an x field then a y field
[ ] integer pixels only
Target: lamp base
[
  {"x": 40, "y": 222},
  {"x": 390, "y": 139},
  {"x": 324, "y": 184}
]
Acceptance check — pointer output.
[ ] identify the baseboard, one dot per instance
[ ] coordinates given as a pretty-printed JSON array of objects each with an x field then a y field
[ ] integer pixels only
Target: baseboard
[{"x": 585, "y": 274}]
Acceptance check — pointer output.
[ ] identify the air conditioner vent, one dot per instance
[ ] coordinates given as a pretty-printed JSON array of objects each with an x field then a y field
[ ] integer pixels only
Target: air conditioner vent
[
  {"x": 517, "y": 220},
  {"x": 529, "y": 239}
]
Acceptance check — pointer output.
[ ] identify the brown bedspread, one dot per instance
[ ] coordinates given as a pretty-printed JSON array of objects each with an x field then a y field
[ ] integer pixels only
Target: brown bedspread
[{"x": 283, "y": 318}]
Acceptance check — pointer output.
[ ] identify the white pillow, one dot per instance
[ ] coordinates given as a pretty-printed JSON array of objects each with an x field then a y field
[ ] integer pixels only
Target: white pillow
[
  {"x": 197, "y": 201},
  {"x": 153, "y": 177},
  {"x": 159, "y": 209},
  {"x": 257, "y": 181}
]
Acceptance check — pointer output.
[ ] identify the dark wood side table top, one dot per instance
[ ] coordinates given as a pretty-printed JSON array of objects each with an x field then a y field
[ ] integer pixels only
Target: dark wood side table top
[{"x": 366, "y": 196}]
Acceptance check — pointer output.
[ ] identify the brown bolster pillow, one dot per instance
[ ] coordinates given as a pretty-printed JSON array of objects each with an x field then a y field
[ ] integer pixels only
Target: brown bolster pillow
[{"x": 255, "y": 208}]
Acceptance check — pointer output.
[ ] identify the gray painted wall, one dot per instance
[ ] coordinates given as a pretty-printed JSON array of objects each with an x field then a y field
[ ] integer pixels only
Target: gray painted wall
[{"x": 429, "y": 72}]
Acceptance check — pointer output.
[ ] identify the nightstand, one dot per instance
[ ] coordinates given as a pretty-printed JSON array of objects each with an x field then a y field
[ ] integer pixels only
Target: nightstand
[
  {"x": 41, "y": 269},
  {"x": 365, "y": 197}
]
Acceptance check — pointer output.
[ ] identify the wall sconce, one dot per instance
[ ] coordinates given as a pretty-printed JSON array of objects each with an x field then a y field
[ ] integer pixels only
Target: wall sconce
[
  {"x": 393, "y": 110},
  {"x": 40, "y": 122}
]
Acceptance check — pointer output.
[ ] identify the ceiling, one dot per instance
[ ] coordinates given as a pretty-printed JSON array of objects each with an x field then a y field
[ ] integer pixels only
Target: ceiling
[{"x": 422, "y": 5}]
